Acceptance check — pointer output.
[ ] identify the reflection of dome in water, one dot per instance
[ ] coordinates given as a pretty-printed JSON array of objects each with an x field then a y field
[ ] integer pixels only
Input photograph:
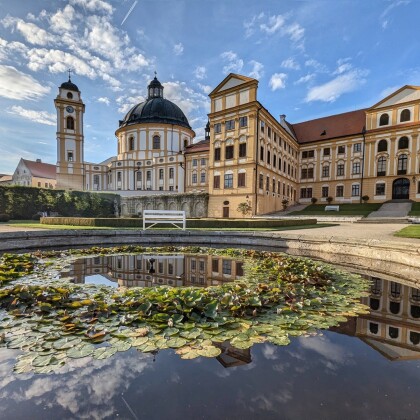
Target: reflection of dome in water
[{"x": 156, "y": 109}]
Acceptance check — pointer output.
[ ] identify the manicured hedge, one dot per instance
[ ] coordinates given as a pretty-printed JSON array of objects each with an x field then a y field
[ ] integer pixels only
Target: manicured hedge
[
  {"x": 191, "y": 223},
  {"x": 23, "y": 202}
]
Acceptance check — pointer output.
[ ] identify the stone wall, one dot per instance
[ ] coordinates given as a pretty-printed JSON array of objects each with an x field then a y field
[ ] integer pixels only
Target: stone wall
[{"x": 194, "y": 205}]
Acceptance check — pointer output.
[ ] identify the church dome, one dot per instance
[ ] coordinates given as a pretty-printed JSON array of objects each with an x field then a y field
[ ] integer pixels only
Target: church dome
[
  {"x": 69, "y": 86},
  {"x": 156, "y": 109}
]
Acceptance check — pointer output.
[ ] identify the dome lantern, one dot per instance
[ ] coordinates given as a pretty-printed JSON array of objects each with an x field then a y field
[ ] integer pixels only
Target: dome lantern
[{"x": 155, "y": 89}]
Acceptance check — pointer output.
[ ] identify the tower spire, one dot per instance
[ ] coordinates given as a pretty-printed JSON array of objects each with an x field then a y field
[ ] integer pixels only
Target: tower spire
[{"x": 69, "y": 70}]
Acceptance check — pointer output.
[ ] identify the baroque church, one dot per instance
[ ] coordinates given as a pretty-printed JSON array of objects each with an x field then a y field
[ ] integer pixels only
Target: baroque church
[{"x": 248, "y": 155}]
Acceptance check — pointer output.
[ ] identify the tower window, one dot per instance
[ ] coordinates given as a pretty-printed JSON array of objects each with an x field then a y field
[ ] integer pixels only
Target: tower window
[
  {"x": 69, "y": 95},
  {"x": 70, "y": 123},
  {"x": 70, "y": 156}
]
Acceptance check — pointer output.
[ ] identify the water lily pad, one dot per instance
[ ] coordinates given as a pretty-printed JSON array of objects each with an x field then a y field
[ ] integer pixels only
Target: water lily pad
[
  {"x": 66, "y": 343},
  {"x": 175, "y": 343},
  {"x": 122, "y": 345},
  {"x": 104, "y": 352},
  {"x": 80, "y": 351},
  {"x": 208, "y": 351},
  {"x": 139, "y": 341},
  {"x": 44, "y": 360}
]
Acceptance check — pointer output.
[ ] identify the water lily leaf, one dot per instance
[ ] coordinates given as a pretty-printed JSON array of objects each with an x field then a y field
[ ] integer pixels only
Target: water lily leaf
[
  {"x": 148, "y": 347},
  {"x": 80, "y": 351},
  {"x": 191, "y": 334},
  {"x": 66, "y": 343},
  {"x": 139, "y": 341},
  {"x": 44, "y": 360},
  {"x": 46, "y": 369},
  {"x": 175, "y": 343},
  {"x": 170, "y": 331},
  {"x": 122, "y": 345},
  {"x": 208, "y": 351},
  {"x": 187, "y": 353},
  {"x": 104, "y": 352}
]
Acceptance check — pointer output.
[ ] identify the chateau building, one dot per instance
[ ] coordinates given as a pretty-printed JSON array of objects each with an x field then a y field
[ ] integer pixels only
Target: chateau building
[
  {"x": 248, "y": 156},
  {"x": 34, "y": 174}
]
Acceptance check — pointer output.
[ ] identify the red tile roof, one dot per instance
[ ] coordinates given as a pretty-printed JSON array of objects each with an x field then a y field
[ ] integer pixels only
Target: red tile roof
[
  {"x": 201, "y": 146},
  {"x": 41, "y": 170},
  {"x": 333, "y": 126}
]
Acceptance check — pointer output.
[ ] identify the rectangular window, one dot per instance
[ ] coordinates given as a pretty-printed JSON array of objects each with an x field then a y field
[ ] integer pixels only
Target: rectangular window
[
  {"x": 242, "y": 150},
  {"x": 193, "y": 265},
  {"x": 39, "y": 184},
  {"x": 215, "y": 265},
  {"x": 239, "y": 269},
  {"x": 203, "y": 161},
  {"x": 170, "y": 268},
  {"x": 327, "y": 151},
  {"x": 228, "y": 180},
  {"x": 311, "y": 153},
  {"x": 217, "y": 154},
  {"x": 262, "y": 126},
  {"x": 418, "y": 187},
  {"x": 194, "y": 162},
  {"x": 326, "y": 171},
  {"x": 216, "y": 181},
  {"x": 148, "y": 176},
  {"x": 306, "y": 193},
  {"x": 229, "y": 152},
  {"x": 194, "y": 177},
  {"x": 341, "y": 150},
  {"x": 278, "y": 187},
  {"x": 340, "y": 169},
  {"x": 119, "y": 176},
  {"x": 279, "y": 163},
  {"x": 305, "y": 155},
  {"x": 380, "y": 189},
  {"x": 160, "y": 267},
  {"x": 171, "y": 173},
  {"x": 267, "y": 183},
  {"x": 138, "y": 177},
  {"x": 324, "y": 192},
  {"x": 227, "y": 267},
  {"x": 275, "y": 137},
  {"x": 70, "y": 156},
  {"x": 262, "y": 153},
  {"x": 161, "y": 174},
  {"x": 274, "y": 185},
  {"x": 243, "y": 121},
  {"x": 268, "y": 157},
  {"x": 261, "y": 182},
  {"x": 230, "y": 124},
  {"x": 340, "y": 191},
  {"x": 241, "y": 179},
  {"x": 269, "y": 132},
  {"x": 355, "y": 190},
  {"x": 95, "y": 179},
  {"x": 356, "y": 168},
  {"x": 304, "y": 173},
  {"x": 217, "y": 128},
  {"x": 310, "y": 172},
  {"x": 357, "y": 147},
  {"x": 203, "y": 177}
]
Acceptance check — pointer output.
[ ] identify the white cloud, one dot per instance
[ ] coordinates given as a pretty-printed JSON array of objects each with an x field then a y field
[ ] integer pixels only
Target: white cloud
[
  {"x": 290, "y": 63},
  {"x": 257, "y": 71},
  {"x": 205, "y": 88},
  {"x": 31, "y": 32},
  {"x": 392, "y": 5},
  {"x": 178, "y": 49},
  {"x": 295, "y": 32},
  {"x": 250, "y": 25},
  {"x": 94, "y": 5},
  {"x": 104, "y": 100},
  {"x": 278, "y": 81},
  {"x": 273, "y": 25},
  {"x": 200, "y": 72},
  {"x": 332, "y": 90},
  {"x": 41, "y": 117},
  {"x": 234, "y": 63},
  {"x": 343, "y": 66},
  {"x": 17, "y": 85},
  {"x": 305, "y": 79},
  {"x": 61, "y": 21},
  {"x": 320, "y": 68}
]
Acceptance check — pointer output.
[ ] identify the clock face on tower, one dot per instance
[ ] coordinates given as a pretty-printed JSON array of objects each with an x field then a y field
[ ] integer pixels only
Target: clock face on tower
[{"x": 69, "y": 109}]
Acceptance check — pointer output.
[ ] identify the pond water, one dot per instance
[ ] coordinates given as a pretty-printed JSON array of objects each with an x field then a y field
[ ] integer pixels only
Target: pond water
[{"x": 366, "y": 368}]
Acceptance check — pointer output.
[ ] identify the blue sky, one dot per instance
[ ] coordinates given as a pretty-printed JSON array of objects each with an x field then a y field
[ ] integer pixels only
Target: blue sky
[{"x": 312, "y": 58}]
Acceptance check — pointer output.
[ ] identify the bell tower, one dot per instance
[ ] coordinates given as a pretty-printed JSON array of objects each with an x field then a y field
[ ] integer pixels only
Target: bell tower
[{"x": 70, "y": 139}]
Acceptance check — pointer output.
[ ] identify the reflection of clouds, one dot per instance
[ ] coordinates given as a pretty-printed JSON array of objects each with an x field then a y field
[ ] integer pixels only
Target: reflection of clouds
[
  {"x": 85, "y": 387},
  {"x": 269, "y": 352},
  {"x": 333, "y": 354}
]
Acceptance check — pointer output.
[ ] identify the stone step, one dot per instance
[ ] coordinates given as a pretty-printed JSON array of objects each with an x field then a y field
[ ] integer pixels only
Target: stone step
[{"x": 388, "y": 220}]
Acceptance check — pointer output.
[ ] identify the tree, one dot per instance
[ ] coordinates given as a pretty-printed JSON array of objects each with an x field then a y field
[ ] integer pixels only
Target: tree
[
  {"x": 244, "y": 208},
  {"x": 285, "y": 203}
]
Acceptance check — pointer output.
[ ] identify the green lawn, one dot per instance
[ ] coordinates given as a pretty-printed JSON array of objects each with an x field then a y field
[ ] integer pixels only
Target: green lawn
[
  {"x": 345, "y": 210},
  {"x": 415, "y": 210},
  {"x": 409, "y": 232}
]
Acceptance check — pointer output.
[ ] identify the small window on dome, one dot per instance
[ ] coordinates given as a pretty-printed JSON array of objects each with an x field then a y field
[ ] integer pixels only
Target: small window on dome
[{"x": 69, "y": 95}]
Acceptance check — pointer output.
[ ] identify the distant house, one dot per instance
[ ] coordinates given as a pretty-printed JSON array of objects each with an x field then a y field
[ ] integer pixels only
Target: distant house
[
  {"x": 6, "y": 179},
  {"x": 35, "y": 174}
]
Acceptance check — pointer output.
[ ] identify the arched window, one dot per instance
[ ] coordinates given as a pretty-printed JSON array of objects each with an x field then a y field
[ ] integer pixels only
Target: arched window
[
  {"x": 131, "y": 143},
  {"x": 69, "y": 95},
  {"x": 373, "y": 327},
  {"x": 414, "y": 337},
  {"x": 395, "y": 289},
  {"x": 405, "y": 115},
  {"x": 156, "y": 142},
  {"x": 70, "y": 123},
  {"x": 403, "y": 143},
  {"x": 384, "y": 119},
  {"x": 415, "y": 311},
  {"x": 394, "y": 307},
  {"x": 374, "y": 304},
  {"x": 382, "y": 146},
  {"x": 185, "y": 143},
  {"x": 381, "y": 169},
  {"x": 402, "y": 165},
  {"x": 393, "y": 332}
]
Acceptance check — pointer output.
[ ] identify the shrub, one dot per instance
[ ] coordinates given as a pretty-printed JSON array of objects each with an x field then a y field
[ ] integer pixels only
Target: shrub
[
  {"x": 365, "y": 198},
  {"x": 36, "y": 216},
  {"x": 329, "y": 200},
  {"x": 314, "y": 200},
  {"x": 244, "y": 208},
  {"x": 4, "y": 217},
  {"x": 285, "y": 203}
]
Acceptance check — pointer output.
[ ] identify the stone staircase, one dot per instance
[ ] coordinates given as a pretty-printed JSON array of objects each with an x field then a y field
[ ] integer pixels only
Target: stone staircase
[{"x": 390, "y": 212}]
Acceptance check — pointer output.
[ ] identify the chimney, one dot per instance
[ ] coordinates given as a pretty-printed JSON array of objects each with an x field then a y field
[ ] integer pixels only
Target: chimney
[
  {"x": 38, "y": 161},
  {"x": 282, "y": 117}
]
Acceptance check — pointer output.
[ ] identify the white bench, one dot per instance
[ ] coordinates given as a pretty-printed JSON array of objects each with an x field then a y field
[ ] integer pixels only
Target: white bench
[
  {"x": 173, "y": 217},
  {"x": 332, "y": 208}
]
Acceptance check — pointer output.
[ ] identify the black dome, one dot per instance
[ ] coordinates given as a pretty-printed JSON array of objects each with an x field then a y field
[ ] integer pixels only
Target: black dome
[
  {"x": 69, "y": 86},
  {"x": 156, "y": 110}
]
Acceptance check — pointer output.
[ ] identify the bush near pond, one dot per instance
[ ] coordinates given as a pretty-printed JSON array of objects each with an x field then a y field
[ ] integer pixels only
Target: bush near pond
[
  {"x": 191, "y": 223},
  {"x": 23, "y": 202}
]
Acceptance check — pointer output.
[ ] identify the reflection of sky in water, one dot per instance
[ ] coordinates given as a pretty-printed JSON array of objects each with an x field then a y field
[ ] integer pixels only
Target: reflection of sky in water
[
  {"x": 98, "y": 279},
  {"x": 318, "y": 377}
]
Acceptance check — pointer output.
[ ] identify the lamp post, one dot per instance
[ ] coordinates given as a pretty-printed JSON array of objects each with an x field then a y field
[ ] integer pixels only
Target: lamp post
[{"x": 363, "y": 162}]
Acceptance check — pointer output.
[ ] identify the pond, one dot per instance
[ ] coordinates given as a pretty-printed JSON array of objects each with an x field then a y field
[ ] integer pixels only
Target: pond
[{"x": 365, "y": 367}]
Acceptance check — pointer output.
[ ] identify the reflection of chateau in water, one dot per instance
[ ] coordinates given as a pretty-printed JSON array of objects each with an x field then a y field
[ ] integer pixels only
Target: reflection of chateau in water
[
  {"x": 171, "y": 270},
  {"x": 393, "y": 326}
]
